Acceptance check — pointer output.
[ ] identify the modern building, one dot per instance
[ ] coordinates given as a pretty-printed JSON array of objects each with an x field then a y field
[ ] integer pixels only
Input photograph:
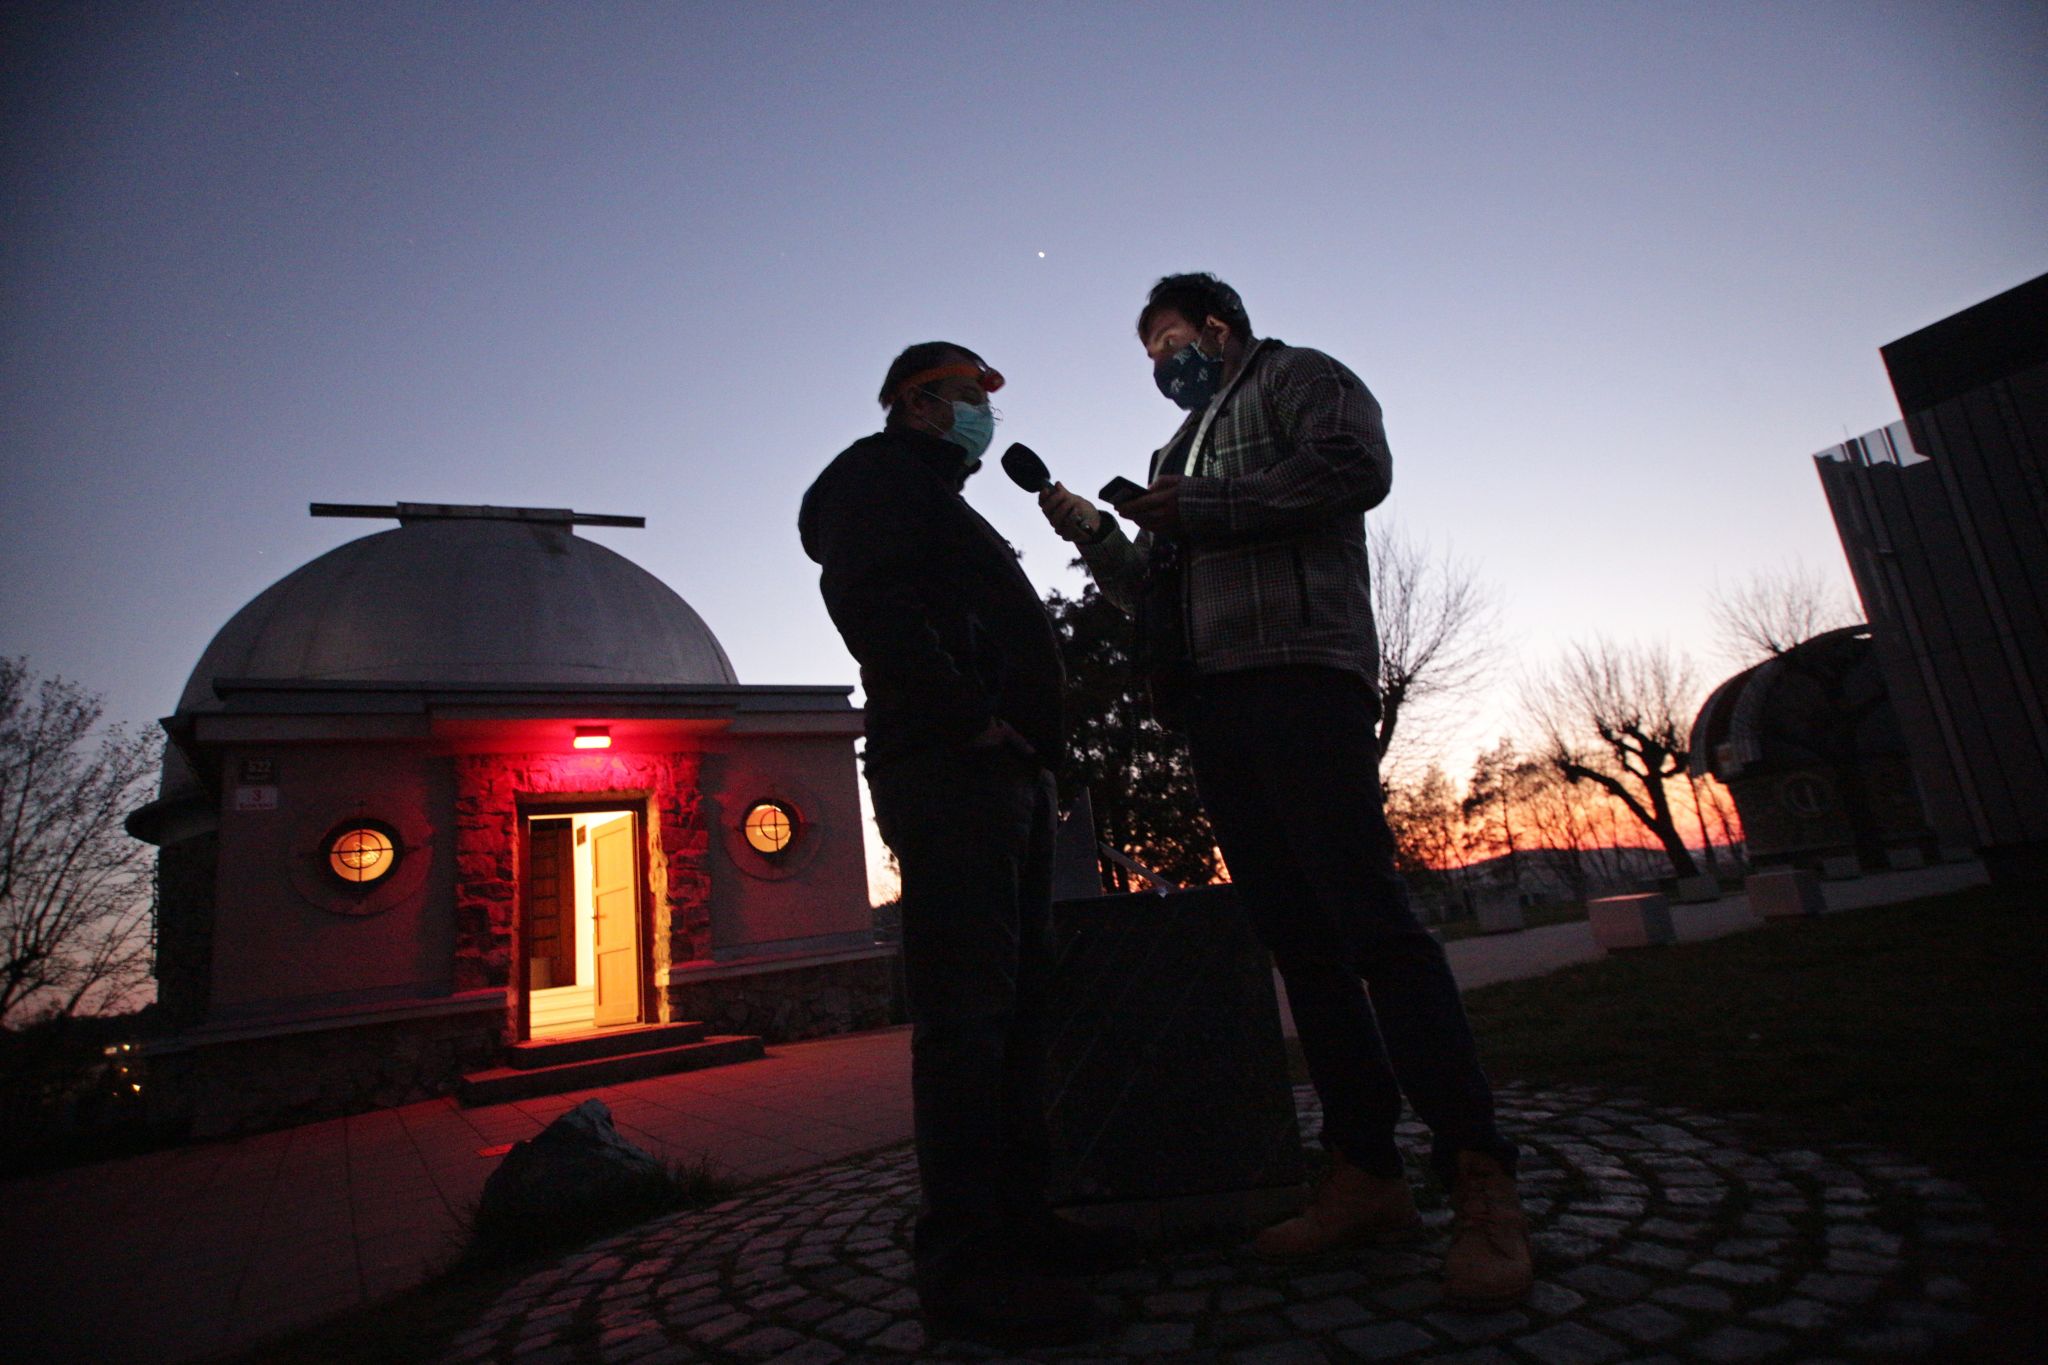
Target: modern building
[
  {"x": 1944, "y": 518},
  {"x": 458, "y": 793}
]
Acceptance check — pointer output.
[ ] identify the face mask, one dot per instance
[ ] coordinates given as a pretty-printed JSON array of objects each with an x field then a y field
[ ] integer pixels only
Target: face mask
[
  {"x": 1188, "y": 378},
  {"x": 974, "y": 426}
]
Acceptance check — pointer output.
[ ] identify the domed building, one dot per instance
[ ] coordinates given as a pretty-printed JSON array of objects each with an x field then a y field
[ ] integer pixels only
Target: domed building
[
  {"x": 1810, "y": 748},
  {"x": 476, "y": 803}
]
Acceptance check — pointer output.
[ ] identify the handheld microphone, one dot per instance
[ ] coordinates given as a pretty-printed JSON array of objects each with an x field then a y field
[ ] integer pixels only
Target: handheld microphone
[{"x": 1025, "y": 469}]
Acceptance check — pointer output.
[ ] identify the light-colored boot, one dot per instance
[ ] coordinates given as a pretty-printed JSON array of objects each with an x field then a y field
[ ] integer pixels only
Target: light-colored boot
[
  {"x": 1488, "y": 1264},
  {"x": 1351, "y": 1206}
]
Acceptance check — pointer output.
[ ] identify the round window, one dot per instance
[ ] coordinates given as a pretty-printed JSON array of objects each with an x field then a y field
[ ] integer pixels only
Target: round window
[
  {"x": 1807, "y": 794},
  {"x": 360, "y": 852},
  {"x": 769, "y": 827}
]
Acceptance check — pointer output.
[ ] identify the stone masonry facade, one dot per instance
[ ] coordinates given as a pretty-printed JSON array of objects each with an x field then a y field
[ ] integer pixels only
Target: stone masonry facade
[
  {"x": 489, "y": 790},
  {"x": 784, "y": 1005},
  {"x": 255, "y": 1084}
]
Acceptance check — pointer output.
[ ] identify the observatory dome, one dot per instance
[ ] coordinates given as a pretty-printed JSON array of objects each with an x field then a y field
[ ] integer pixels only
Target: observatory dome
[{"x": 465, "y": 595}]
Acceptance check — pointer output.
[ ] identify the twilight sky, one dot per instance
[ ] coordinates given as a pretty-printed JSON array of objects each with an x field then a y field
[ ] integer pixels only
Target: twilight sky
[{"x": 1614, "y": 270}]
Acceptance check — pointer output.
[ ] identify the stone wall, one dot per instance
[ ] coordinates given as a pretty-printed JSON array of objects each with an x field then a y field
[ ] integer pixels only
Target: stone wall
[
  {"x": 185, "y": 874},
  {"x": 245, "y": 1086},
  {"x": 784, "y": 1005},
  {"x": 489, "y": 787}
]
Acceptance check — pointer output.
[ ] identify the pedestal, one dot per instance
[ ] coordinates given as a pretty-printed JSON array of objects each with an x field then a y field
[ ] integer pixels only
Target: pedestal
[
  {"x": 1698, "y": 890},
  {"x": 1783, "y": 893},
  {"x": 1640, "y": 921},
  {"x": 1171, "y": 1107}
]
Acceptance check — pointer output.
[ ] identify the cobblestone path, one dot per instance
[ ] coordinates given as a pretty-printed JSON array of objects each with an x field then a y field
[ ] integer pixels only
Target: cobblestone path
[{"x": 1663, "y": 1235}]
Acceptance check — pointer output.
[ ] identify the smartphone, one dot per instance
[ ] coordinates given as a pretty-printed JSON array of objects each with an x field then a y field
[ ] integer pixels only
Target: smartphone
[{"x": 1119, "y": 490}]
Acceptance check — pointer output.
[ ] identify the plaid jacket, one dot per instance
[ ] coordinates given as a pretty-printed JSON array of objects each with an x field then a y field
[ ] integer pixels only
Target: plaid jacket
[{"x": 1272, "y": 511}]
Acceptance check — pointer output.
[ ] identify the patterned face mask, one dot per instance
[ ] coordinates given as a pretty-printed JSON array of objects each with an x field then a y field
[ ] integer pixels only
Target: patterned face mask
[{"x": 1188, "y": 378}]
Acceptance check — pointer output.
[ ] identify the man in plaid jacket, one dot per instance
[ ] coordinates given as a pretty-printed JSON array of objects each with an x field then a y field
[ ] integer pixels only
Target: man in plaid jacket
[{"x": 1253, "y": 535}]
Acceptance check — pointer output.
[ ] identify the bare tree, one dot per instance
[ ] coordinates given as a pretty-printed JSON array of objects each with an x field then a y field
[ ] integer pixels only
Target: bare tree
[
  {"x": 1428, "y": 830},
  {"x": 1620, "y": 718},
  {"x": 1769, "y": 612},
  {"x": 75, "y": 889},
  {"x": 1557, "y": 819},
  {"x": 1439, "y": 626}
]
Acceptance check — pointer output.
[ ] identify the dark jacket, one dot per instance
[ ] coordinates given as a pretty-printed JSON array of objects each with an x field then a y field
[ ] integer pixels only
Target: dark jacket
[
  {"x": 1273, "y": 515},
  {"x": 948, "y": 631}
]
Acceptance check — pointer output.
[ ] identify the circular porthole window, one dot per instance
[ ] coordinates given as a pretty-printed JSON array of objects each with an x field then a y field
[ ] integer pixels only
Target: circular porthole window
[
  {"x": 1807, "y": 794},
  {"x": 361, "y": 852},
  {"x": 769, "y": 827}
]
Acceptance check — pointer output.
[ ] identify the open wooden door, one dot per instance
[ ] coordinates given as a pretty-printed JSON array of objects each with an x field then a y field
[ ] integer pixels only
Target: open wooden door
[
  {"x": 615, "y": 897},
  {"x": 550, "y": 905}
]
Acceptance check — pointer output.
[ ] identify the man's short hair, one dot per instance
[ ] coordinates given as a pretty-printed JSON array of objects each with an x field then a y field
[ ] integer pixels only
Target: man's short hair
[
  {"x": 925, "y": 355},
  {"x": 1197, "y": 297}
]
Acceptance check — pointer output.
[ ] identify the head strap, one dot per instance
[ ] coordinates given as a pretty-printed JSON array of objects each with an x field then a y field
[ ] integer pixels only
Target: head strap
[{"x": 990, "y": 380}]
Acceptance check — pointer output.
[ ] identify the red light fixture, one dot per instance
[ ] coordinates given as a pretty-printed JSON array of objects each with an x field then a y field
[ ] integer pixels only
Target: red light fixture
[{"x": 592, "y": 737}]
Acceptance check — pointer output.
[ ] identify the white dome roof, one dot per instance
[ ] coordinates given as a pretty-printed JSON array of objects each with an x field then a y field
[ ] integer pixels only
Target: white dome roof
[{"x": 515, "y": 598}]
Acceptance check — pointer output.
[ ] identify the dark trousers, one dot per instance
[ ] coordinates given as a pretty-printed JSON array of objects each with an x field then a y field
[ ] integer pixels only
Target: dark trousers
[
  {"x": 1288, "y": 765},
  {"x": 972, "y": 832}
]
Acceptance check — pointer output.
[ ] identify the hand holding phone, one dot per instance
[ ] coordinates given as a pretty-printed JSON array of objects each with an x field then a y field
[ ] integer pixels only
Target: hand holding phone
[{"x": 1119, "y": 490}]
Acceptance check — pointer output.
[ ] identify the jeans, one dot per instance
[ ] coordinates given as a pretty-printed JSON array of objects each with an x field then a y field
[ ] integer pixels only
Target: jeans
[
  {"x": 1287, "y": 762},
  {"x": 972, "y": 831}
]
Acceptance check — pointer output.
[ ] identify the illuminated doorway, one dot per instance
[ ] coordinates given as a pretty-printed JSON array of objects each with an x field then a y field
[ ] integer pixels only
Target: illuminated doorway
[{"x": 581, "y": 897}]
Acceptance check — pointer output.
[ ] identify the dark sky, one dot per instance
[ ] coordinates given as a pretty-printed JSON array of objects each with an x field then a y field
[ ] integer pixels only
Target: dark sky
[{"x": 1614, "y": 270}]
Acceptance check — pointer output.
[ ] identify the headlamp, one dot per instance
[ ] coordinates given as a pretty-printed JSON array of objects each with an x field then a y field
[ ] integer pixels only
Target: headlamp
[{"x": 990, "y": 380}]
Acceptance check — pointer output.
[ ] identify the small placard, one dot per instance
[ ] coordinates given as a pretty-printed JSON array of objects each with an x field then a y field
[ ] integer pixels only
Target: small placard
[
  {"x": 256, "y": 798},
  {"x": 259, "y": 771}
]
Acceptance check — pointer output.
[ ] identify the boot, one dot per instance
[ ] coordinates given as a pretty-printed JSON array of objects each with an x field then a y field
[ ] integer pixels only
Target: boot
[
  {"x": 1350, "y": 1207},
  {"x": 1488, "y": 1264}
]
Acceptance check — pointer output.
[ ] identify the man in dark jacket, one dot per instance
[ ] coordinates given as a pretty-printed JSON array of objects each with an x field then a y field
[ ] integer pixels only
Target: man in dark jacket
[
  {"x": 963, "y": 682},
  {"x": 1250, "y": 577}
]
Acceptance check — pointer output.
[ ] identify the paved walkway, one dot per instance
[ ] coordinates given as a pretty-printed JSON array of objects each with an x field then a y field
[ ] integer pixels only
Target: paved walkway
[
  {"x": 1666, "y": 1236},
  {"x": 200, "y": 1249}
]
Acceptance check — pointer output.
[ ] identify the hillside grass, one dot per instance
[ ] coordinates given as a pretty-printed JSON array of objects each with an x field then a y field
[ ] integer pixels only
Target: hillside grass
[{"x": 1921, "y": 1027}]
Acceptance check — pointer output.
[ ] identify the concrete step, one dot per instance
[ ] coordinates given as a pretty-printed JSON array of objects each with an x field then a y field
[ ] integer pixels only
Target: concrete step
[
  {"x": 504, "y": 1083},
  {"x": 583, "y": 1047}
]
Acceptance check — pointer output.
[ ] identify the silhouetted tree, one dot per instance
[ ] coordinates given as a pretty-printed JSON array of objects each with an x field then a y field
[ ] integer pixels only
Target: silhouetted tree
[
  {"x": 75, "y": 889},
  {"x": 1428, "y": 832},
  {"x": 1135, "y": 771},
  {"x": 1438, "y": 626},
  {"x": 1496, "y": 798},
  {"x": 1555, "y": 811},
  {"x": 1769, "y": 612},
  {"x": 1620, "y": 718}
]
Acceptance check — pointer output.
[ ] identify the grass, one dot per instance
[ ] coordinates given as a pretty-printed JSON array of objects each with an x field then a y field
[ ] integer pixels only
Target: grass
[
  {"x": 503, "y": 1235},
  {"x": 417, "y": 1324},
  {"x": 1921, "y": 1027}
]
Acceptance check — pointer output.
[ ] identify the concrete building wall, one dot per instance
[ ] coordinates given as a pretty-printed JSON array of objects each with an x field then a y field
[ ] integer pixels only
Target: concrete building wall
[
  {"x": 287, "y": 935},
  {"x": 815, "y": 895}
]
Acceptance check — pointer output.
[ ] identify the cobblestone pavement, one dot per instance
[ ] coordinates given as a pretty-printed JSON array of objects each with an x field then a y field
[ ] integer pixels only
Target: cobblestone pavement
[{"x": 1662, "y": 1235}]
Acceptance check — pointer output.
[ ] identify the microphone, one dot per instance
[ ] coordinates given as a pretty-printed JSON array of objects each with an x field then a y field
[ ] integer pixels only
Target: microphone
[{"x": 1025, "y": 469}]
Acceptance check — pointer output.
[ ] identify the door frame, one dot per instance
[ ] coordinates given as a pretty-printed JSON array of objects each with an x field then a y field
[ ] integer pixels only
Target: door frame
[{"x": 528, "y": 806}]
